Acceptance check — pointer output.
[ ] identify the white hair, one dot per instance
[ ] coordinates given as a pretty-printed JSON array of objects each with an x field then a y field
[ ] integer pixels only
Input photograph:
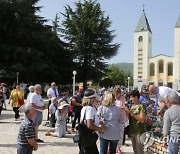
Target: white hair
[
  {"x": 53, "y": 99},
  {"x": 37, "y": 86},
  {"x": 31, "y": 88},
  {"x": 173, "y": 97}
]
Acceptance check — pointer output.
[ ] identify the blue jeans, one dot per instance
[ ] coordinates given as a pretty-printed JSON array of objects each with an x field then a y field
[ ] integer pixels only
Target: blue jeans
[
  {"x": 173, "y": 148},
  {"x": 104, "y": 144}
]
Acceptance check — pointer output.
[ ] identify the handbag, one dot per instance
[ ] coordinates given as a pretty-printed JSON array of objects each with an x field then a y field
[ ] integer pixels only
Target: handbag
[
  {"x": 20, "y": 101},
  {"x": 87, "y": 137},
  {"x": 76, "y": 138}
]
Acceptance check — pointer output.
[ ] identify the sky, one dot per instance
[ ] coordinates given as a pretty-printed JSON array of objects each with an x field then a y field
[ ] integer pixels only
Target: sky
[{"x": 124, "y": 15}]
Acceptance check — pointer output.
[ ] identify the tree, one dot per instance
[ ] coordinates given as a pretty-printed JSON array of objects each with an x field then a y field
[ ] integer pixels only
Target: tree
[
  {"x": 86, "y": 30},
  {"x": 30, "y": 47},
  {"x": 117, "y": 76},
  {"x": 106, "y": 82}
]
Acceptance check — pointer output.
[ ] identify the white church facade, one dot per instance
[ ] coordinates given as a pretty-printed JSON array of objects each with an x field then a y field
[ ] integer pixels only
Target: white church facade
[{"x": 158, "y": 70}]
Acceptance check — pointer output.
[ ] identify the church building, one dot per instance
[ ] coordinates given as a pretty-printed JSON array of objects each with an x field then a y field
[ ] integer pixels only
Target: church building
[{"x": 158, "y": 70}]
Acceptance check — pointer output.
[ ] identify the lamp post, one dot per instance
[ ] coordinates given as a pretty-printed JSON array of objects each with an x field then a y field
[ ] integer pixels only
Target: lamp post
[
  {"x": 128, "y": 83},
  {"x": 17, "y": 77},
  {"x": 74, "y": 81}
]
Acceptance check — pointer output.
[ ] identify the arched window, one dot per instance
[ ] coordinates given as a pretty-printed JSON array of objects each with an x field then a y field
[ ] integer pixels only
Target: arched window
[
  {"x": 152, "y": 69},
  {"x": 161, "y": 66},
  {"x": 140, "y": 38},
  {"x": 170, "y": 69}
]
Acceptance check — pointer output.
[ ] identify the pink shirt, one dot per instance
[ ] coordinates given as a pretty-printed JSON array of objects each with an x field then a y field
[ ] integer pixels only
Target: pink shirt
[{"x": 121, "y": 104}]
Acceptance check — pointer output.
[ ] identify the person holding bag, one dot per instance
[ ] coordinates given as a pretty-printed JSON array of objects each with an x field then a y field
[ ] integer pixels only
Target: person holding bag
[
  {"x": 89, "y": 124},
  {"x": 17, "y": 97}
]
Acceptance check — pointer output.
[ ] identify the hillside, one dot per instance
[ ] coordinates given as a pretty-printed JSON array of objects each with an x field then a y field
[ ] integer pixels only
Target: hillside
[{"x": 126, "y": 67}]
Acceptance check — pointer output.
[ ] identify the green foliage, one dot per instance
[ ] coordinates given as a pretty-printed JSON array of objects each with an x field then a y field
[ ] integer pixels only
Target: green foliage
[
  {"x": 107, "y": 82},
  {"x": 86, "y": 30},
  {"x": 30, "y": 47},
  {"x": 117, "y": 76},
  {"x": 126, "y": 67}
]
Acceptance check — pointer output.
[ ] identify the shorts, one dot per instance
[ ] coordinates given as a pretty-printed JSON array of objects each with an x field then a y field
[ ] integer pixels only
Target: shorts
[
  {"x": 24, "y": 149},
  {"x": 38, "y": 119}
]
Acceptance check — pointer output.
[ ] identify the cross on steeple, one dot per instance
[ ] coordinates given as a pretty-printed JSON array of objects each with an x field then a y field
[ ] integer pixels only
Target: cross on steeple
[{"x": 143, "y": 7}]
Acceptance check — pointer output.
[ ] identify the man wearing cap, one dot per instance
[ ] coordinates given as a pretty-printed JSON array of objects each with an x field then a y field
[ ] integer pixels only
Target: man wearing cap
[
  {"x": 26, "y": 141},
  {"x": 37, "y": 103},
  {"x": 52, "y": 92}
]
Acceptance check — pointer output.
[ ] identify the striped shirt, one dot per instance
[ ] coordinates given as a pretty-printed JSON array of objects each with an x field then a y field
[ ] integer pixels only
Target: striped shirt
[{"x": 26, "y": 131}]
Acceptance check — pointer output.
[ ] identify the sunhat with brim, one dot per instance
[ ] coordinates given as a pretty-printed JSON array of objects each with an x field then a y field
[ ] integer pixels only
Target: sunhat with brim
[{"x": 63, "y": 104}]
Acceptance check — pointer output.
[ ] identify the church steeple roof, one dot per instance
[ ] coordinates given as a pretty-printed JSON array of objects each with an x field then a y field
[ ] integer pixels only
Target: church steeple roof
[
  {"x": 143, "y": 24},
  {"x": 178, "y": 22}
]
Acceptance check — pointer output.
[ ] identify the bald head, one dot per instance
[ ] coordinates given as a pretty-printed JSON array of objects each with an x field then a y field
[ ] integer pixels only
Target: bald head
[
  {"x": 53, "y": 85},
  {"x": 153, "y": 89}
]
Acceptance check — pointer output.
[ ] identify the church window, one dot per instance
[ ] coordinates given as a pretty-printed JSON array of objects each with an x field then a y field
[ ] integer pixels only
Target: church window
[
  {"x": 161, "y": 66},
  {"x": 170, "y": 69},
  {"x": 152, "y": 69},
  {"x": 140, "y": 38}
]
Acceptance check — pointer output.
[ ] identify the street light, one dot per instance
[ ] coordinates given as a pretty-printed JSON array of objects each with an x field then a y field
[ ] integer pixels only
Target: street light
[
  {"x": 128, "y": 83},
  {"x": 17, "y": 77},
  {"x": 74, "y": 83}
]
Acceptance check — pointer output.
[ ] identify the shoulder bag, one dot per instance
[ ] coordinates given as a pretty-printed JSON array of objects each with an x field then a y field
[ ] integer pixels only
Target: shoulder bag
[
  {"x": 20, "y": 101},
  {"x": 87, "y": 137}
]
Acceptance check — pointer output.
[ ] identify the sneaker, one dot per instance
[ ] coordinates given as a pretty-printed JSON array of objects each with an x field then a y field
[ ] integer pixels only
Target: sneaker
[
  {"x": 39, "y": 140},
  {"x": 119, "y": 151},
  {"x": 48, "y": 133},
  {"x": 68, "y": 132},
  {"x": 125, "y": 144}
]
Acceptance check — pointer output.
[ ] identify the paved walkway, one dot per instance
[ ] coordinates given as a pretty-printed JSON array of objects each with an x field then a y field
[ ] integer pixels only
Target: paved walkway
[{"x": 52, "y": 145}]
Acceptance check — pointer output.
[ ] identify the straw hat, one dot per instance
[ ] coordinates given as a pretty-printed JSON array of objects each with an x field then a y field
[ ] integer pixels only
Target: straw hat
[{"x": 63, "y": 104}]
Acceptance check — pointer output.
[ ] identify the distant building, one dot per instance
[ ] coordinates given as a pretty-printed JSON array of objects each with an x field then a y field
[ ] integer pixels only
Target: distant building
[{"x": 158, "y": 70}]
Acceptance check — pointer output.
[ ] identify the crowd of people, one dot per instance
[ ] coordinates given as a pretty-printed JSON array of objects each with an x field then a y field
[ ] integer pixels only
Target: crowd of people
[{"x": 113, "y": 114}]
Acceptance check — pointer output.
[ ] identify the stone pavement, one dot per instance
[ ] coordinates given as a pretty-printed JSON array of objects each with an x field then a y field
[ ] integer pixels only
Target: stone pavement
[{"x": 52, "y": 145}]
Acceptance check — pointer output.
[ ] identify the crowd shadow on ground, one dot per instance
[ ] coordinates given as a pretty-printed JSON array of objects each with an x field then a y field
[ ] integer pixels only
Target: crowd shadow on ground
[
  {"x": 64, "y": 144},
  {"x": 60, "y": 143},
  {"x": 6, "y": 115}
]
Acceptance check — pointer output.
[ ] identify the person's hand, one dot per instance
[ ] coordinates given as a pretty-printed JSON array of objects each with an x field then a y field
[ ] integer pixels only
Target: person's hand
[
  {"x": 35, "y": 148},
  {"x": 9, "y": 102},
  {"x": 165, "y": 142},
  {"x": 101, "y": 122},
  {"x": 43, "y": 107},
  {"x": 129, "y": 111},
  {"x": 103, "y": 129}
]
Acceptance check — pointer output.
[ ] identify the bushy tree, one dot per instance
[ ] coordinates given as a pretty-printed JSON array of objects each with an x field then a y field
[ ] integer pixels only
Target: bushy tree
[
  {"x": 117, "y": 76},
  {"x": 87, "y": 31},
  {"x": 29, "y": 46}
]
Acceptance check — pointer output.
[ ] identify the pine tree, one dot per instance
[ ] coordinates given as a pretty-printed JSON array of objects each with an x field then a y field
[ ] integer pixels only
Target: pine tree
[{"x": 87, "y": 31}]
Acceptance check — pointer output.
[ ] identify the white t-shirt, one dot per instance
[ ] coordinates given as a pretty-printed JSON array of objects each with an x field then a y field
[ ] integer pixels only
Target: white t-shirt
[
  {"x": 28, "y": 97},
  {"x": 163, "y": 93},
  {"x": 37, "y": 100},
  {"x": 91, "y": 113},
  {"x": 53, "y": 108},
  {"x": 52, "y": 92}
]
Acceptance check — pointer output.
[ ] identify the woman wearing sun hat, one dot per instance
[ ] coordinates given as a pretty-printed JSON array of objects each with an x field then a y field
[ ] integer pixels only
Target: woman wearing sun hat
[
  {"x": 89, "y": 115},
  {"x": 61, "y": 116}
]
